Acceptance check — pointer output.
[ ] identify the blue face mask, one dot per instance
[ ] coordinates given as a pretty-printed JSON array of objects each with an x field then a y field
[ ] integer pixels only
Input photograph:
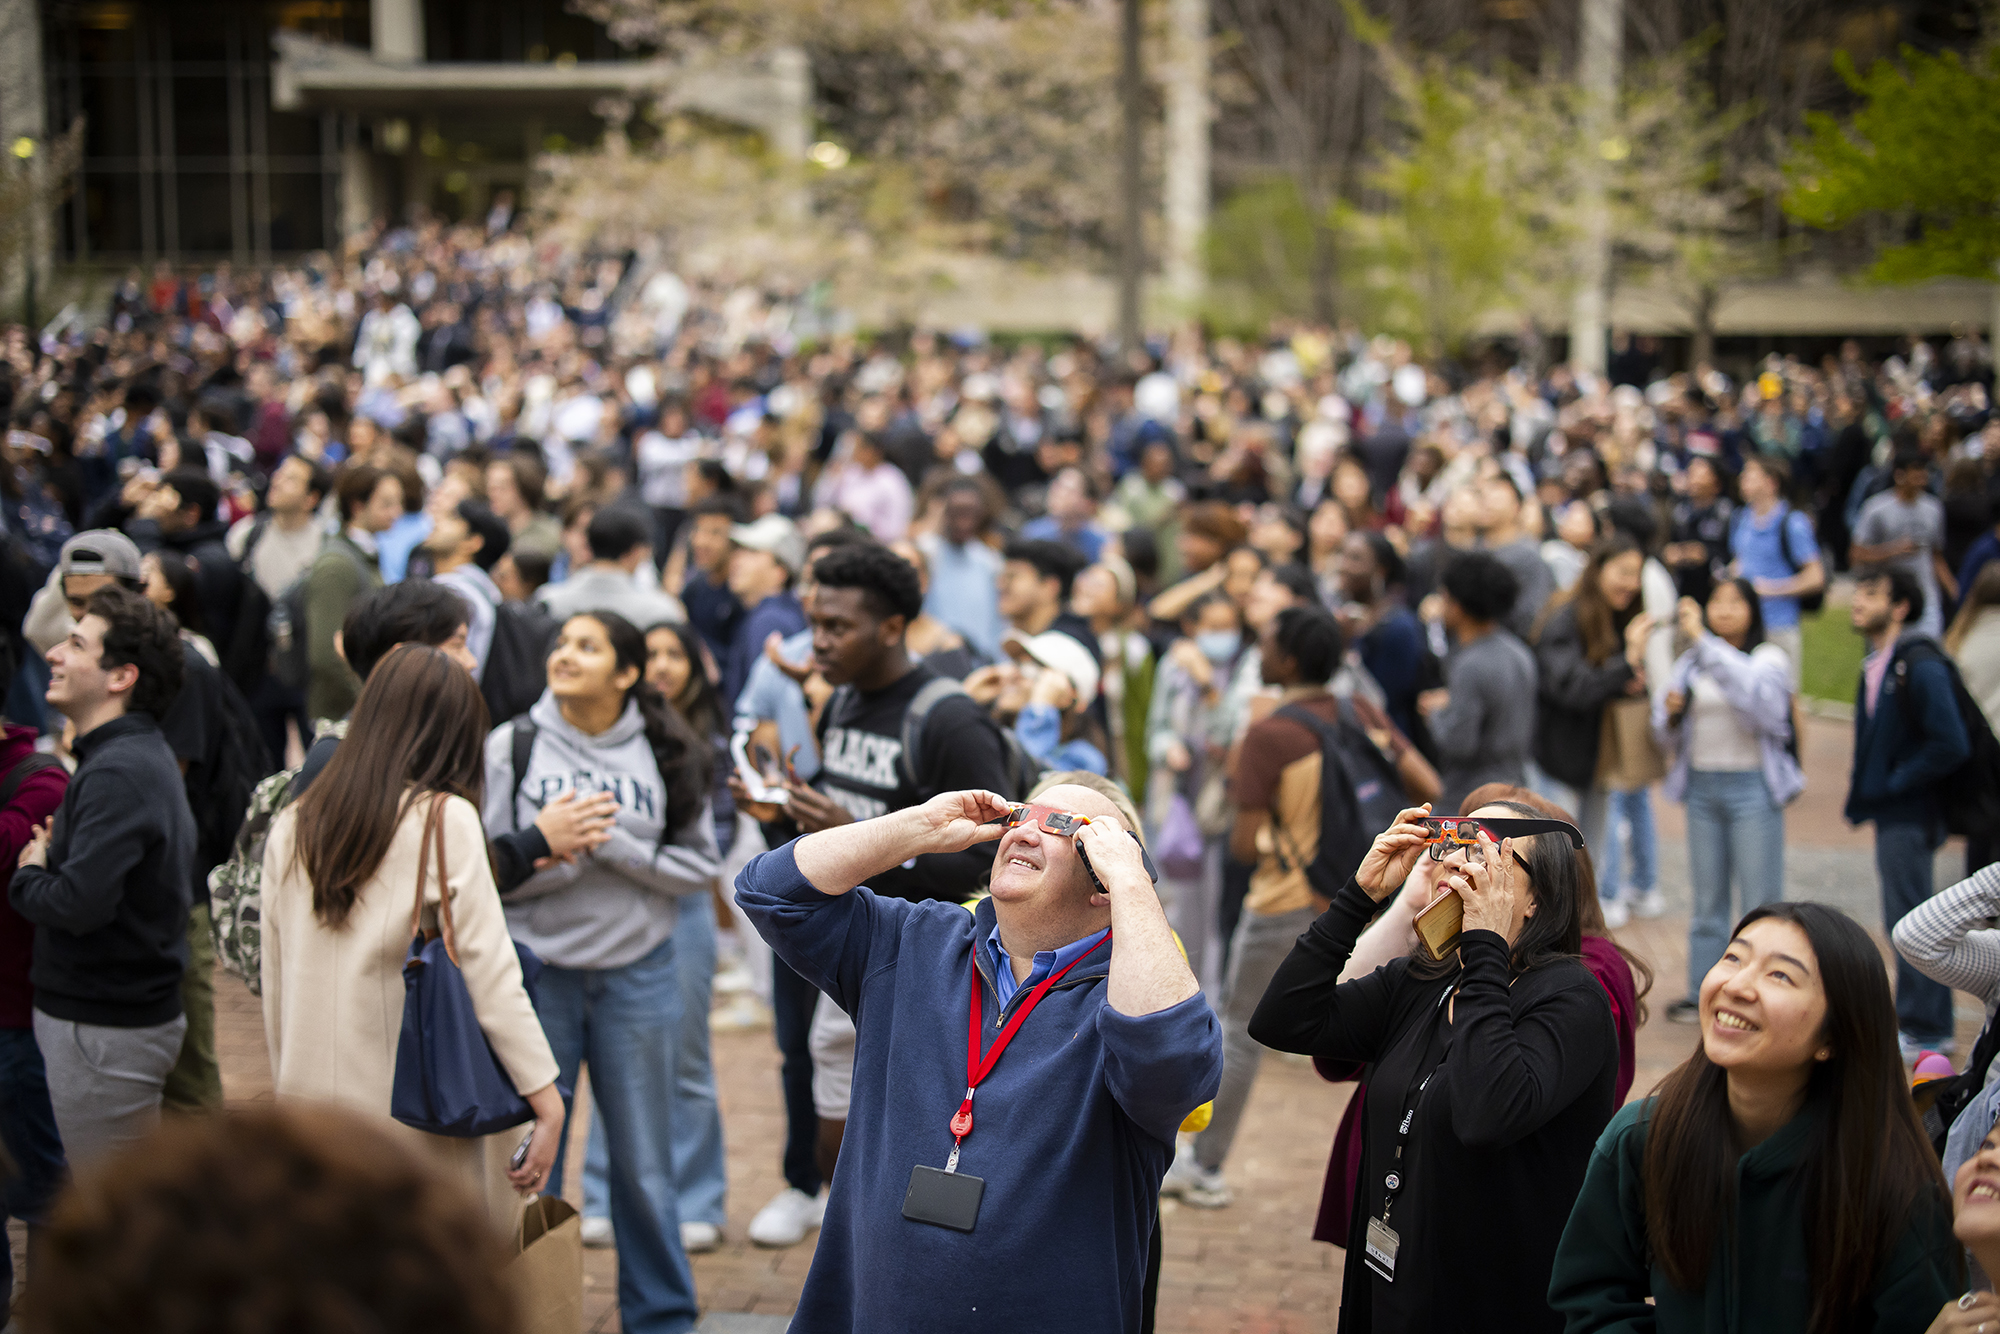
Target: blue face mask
[{"x": 1219, "y": 645}]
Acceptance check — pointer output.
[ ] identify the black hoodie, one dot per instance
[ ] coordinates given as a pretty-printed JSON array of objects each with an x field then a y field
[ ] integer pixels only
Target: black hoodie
[
  {"x": 218, "y": 583},
  {"x": 111, "y": 907}
]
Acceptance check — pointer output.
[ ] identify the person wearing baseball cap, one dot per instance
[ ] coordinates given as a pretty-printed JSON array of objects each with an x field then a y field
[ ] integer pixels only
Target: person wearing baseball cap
[
  {"x": 1061, "y": 681},
  {"x": 766, "y": 560}
]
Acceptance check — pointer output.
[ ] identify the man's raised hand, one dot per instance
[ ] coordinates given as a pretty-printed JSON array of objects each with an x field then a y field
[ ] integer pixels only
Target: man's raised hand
[{"x": 952, "y": 821}]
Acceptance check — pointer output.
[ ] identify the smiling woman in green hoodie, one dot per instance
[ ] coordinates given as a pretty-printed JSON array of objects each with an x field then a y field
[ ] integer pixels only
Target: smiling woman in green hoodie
[{"x": 1793, "y": 1119}]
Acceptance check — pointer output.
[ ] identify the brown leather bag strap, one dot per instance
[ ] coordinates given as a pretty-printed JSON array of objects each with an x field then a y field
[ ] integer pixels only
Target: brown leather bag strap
[{"x": 434, "y": 822}]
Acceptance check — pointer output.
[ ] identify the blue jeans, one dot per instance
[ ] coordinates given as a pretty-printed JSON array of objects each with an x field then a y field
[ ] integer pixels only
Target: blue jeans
[
  {"x": 626, "y": 1023},
  {"x": 1735, "y": 831},
  {"x": 1634, "y": 809},
  {"x": 28, "y": 1129},
  {"x": 1903, "y": 852},
  {"x": 699, "y": 1177}
]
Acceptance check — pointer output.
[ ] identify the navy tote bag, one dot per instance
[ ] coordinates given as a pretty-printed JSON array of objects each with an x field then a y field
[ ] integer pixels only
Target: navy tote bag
[{"x": 448, "y": 1081}]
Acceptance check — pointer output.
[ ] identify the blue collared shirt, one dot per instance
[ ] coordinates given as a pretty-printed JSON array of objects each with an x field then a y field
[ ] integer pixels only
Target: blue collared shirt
[{"x": 1046, "y": 962}]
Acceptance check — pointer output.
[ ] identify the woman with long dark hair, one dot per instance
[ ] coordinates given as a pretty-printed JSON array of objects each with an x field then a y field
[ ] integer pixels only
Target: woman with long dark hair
[
  {"x": 604, "y": 921},
  {"x": 1625, "y": 977},
  {"x": 340, "y": 882},
  {"x": 1725, "y": 722},
  {"x": 1778, "y": 1180},
  {"x": 1590, "y": 648},
  {"x": 1489, "y": 1071}
]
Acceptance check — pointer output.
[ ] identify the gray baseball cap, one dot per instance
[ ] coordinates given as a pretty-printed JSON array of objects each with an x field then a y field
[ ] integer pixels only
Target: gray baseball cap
[{"x": 101, "y": 551}]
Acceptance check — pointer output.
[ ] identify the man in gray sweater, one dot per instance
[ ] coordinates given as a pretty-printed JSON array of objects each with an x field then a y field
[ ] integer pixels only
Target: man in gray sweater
[{"x": 1483, "y": 720}]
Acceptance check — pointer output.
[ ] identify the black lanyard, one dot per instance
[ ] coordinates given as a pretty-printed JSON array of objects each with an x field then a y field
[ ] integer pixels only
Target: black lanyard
[{"x": 1397, "y": 1176}]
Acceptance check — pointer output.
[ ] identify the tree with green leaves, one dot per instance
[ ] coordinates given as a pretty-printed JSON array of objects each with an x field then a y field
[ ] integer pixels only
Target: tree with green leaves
[{"x": 1921, "y": 152}]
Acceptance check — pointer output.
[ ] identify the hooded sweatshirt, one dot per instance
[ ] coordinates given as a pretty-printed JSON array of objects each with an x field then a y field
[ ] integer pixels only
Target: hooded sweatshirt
[{"x": 616, "y": 905}]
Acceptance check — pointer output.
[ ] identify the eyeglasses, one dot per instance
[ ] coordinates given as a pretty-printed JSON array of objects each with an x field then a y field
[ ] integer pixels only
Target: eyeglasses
[{"x": 1447, "y": 836}]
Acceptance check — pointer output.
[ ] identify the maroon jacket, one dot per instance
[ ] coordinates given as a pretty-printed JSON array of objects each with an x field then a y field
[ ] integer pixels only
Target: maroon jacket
[{"x": 35, "y": 801}]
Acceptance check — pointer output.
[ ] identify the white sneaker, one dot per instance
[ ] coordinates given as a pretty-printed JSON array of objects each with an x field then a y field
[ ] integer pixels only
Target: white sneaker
[
  {"x": 597, "y": 1234},
  {"x": 1650, "y": 903},
  {"x": 1191, "y": 1183},
  {"x": 700, "y": 1238},
  {"x": 788, "y": 1217},
  {"x": 1616, "y": 914}
]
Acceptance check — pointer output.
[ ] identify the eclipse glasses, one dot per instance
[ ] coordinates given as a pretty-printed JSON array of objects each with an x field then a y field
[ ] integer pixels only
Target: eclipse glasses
[
  {"x": 1464, "y": 832},
  {"x": 1064, "y": 824}
]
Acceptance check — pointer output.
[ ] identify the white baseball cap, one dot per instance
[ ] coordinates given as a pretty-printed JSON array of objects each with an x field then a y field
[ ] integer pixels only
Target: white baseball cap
[{"x": 1063, "y": 653}]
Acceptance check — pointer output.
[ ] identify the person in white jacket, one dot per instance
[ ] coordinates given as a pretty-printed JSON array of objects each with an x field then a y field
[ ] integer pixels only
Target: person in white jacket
[
  {"x": 1725, "y": 722},
  {"x": 603, "y": 921}
]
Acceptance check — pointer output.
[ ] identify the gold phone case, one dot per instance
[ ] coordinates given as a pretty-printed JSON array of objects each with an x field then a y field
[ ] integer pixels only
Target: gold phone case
[{"x": 1438, "y": 925}]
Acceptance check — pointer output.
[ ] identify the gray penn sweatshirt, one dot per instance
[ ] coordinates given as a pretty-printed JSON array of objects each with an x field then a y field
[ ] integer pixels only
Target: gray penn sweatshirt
[{"x": 615, "y": 905}]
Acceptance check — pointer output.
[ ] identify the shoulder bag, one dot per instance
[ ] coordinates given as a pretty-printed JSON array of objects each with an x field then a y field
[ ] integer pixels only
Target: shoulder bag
[{"x": 448, "y": 1081}]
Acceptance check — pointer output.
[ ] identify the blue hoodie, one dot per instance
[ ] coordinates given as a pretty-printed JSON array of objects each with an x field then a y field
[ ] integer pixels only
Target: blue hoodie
[{"x": 1072, "y": 1130}]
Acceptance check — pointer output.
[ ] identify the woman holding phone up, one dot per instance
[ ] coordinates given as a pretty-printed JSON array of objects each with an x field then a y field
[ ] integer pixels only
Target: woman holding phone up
[{"x": 1490, "y": 1074}]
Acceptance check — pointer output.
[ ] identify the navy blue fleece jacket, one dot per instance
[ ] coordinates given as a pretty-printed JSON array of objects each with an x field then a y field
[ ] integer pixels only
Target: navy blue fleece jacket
[{"x": 1072, "y": 1130}]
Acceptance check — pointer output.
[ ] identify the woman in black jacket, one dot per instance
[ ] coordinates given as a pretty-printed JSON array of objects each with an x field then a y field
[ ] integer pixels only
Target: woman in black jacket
[
  {"x": 1589, "y": 651},
  {"x": 1490, "y": 1077}
]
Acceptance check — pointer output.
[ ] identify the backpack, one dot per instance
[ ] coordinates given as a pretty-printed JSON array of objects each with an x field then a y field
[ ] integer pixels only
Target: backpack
[
  {"x": 228, "y": 785},
  {"x": 1969, "y": 796},
  {"x": 1954, "y": 1093},
  {"x": 517, "y": 662},
  {"x": 1023, "y": 769},
  {"x": 1807, "y": 601},
  {"x": 246, "y": 657},
  {"x": 1359, "y": 796},
  {"x": 525, "y": 731},
  {"x": 290, "y": 654},
  {"x": 236, "y": 887}
]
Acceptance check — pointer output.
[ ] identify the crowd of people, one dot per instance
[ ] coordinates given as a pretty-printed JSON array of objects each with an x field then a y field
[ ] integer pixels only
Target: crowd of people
[{"x": 456, "y": 589}]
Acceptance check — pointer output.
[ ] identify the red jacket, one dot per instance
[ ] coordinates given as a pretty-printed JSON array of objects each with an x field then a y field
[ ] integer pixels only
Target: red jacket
[{"x": 35, "y": 801}]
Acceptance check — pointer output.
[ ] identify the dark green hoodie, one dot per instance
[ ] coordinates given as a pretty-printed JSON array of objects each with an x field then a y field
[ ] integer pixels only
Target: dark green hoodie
[{"x": 1759, "y": 1281}]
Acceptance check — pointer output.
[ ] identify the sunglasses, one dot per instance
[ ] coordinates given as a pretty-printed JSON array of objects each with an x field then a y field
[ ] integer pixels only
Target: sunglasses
[
  {"x": 1065, "y": 824},
  {"x": 1449, "y": 835}
]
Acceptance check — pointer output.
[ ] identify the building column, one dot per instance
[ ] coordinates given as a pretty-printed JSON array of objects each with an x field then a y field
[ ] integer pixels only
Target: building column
[
  {"x": 1598, "y": 58},
  {"x": 398, "y": 29},
  {"x": 24, "y": 115},
  {"x": 1189, "y": 114}
]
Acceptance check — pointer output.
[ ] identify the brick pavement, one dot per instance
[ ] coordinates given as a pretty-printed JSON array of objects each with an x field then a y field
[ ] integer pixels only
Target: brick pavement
[{"x": 1250, "y": 1268}]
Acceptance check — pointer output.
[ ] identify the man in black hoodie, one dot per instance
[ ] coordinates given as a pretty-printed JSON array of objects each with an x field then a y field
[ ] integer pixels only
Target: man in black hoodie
[{"x": 105, "y": 882}]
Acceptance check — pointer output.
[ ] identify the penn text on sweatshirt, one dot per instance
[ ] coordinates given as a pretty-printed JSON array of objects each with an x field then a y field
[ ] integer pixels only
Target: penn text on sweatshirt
[{"x": 615, "y": 905}]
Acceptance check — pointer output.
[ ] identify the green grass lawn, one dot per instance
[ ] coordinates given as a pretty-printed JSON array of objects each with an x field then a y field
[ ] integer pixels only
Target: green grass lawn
[{"x": 1832, "y": 656}]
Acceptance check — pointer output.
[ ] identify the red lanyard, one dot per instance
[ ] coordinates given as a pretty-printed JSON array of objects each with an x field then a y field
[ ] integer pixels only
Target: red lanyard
[{"x": 977, "y": 1069}]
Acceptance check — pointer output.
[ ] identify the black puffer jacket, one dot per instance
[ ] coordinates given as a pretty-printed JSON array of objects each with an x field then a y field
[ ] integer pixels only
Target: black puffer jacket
[{"x": 1573, "y": 693}]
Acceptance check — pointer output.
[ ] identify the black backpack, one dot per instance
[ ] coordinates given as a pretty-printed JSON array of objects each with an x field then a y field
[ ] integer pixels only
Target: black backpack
[
  {"x": 1360, "y": 793},
  {"x": 288, "y": 637},
  {"x": 240, "y": 763},
  {"x": 1807, "y": 601},
  {"x": 517, "y": 662},
  {"x": 246, "y": 657},
  {"x": 1969, "y": 796},
  {"x": 1954, "y": 1093}
]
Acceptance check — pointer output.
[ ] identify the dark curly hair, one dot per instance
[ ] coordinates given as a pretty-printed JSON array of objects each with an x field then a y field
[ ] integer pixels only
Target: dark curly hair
[
  {"x": 888, "y": 583},
  {"x": 291, "y": 1220},
  {"x": 139, "y": 634},
  {"x": 1484, "y": 588}
]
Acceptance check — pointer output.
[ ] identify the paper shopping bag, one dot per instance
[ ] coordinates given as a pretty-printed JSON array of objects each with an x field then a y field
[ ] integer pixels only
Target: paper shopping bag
[{"x": 547, "y": 1269}]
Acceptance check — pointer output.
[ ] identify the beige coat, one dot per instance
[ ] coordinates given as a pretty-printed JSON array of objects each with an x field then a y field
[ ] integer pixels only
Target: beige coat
[{"x": 333, "y": 999}]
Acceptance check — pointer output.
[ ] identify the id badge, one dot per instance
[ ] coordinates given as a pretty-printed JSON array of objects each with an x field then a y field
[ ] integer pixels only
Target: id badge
[
  {"x": 943, "y": 1199},
  {"x": 1379, "y": 1251}
]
